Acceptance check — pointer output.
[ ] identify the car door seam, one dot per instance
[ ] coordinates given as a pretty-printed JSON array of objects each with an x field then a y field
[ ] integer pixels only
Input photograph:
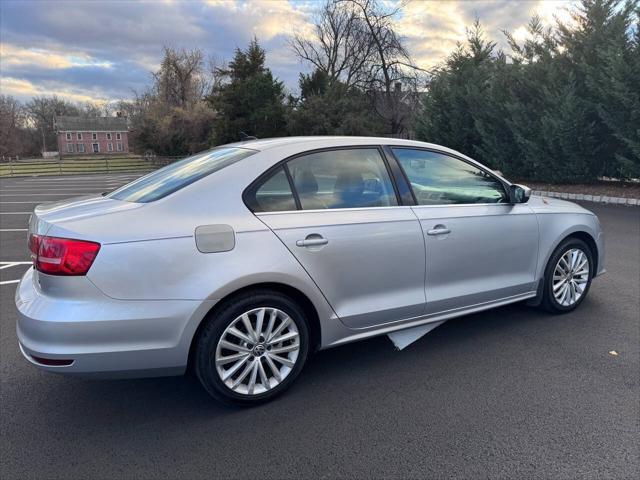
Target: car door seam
[
  {"x": 424, "y": 242},
  {"x": 301, "y": 266}
]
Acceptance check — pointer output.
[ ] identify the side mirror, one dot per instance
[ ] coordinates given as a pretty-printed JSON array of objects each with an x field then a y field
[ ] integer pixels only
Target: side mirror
[{"x": 519, "y": 194}]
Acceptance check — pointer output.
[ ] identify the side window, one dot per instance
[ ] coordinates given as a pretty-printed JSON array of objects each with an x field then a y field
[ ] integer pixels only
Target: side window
[
  {"x": 438, "y": 179},
  {"x": 350, "y": 178},
  {"x": 273, "y": 195}
]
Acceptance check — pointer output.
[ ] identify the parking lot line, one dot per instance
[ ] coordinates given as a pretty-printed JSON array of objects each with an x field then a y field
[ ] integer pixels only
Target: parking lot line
[
  {"x": 15, "y": 213},
  {"x": 4, "y": 265},
  {"x": 41, "y": 194},
  {"x": 28, "y": 190},
  {"x": 13, "y": 229}
]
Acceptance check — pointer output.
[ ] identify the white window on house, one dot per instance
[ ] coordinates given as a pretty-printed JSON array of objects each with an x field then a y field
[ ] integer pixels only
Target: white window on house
[
  {"x": 119, "y": 146},
  {"x": 108, "y": 136},
  {"x": 68, "y": 136},
  {"x": 110, "y": 147},
  {"x": 70, "y": 147},
  {"x": 118, "y": 136},
  {"x": 94, "y": 136},
  {"x": 79, "y": 135},
  {"x": 95, "y": 147},
  {"x": 80, "y": 147}
]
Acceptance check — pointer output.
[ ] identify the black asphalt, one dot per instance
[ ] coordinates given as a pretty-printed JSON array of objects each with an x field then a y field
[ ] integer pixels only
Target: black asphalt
[{"x": 509, "y": 393}]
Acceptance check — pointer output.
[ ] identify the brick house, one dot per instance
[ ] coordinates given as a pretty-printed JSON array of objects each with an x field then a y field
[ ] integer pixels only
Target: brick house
[{"x": 92, "y": 135}]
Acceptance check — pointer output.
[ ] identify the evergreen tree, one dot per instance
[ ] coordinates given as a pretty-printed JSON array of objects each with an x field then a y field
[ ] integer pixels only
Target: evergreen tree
[
  {"x": 249, "y": 100},
  {"x": 332, "y": 108},
  {"x": 565, "y": 107}
]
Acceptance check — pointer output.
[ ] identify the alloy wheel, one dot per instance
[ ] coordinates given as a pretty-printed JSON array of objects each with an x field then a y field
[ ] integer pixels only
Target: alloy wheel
[
  {"x": 570, "y": 277},
  {"x": 257, "y": 351}
]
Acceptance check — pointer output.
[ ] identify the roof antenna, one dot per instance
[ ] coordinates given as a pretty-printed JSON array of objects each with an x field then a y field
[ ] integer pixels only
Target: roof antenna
[{"x": 245, "y": 138}]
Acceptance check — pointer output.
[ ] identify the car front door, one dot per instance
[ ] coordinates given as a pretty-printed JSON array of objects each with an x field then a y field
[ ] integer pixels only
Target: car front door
[
  {"x": 343, "y": 223},
  {"x": 479, "y": 247}
]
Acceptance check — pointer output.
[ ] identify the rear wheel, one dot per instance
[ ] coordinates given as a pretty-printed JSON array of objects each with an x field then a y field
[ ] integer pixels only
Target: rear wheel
[
  {"x": 253, "y": 348},
  {"x": 568, "y": 276}
]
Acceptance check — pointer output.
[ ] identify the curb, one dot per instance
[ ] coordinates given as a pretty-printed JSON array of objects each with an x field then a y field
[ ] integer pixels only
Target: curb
[{"x": 589, "y": 198}]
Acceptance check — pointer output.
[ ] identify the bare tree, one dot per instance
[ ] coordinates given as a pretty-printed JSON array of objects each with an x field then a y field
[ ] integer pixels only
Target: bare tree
[
  {"x": 355, "y": 43},
  {"x": 390, "y": 67},
  {"x": 41, "y": 112},
  {"x": 11, "y": 123},
  {"x": 340, "y": 47},
  {"x": 180, "y": 82}
]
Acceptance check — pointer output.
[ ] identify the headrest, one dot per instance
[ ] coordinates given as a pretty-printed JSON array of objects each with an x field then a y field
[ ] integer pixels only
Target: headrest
[{"x": 306, "y": 183}]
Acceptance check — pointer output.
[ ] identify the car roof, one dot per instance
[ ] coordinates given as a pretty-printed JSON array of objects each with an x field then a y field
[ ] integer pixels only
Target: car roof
[{"x": 331, "y": 141}]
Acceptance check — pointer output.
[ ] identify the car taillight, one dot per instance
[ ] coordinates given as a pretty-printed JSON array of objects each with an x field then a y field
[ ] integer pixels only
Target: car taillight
[
  {"x": 34, "y": 246},
  {"x": 62, "y": 256}
]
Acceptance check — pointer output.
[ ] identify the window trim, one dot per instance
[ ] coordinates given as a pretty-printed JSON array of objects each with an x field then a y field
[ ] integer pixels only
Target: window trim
[
  {"x": 266, "y": 175},
  {"x": 78, "y": 148},
  {"x": 69, "y": 136},
  {"x": 118, "y": 136},
  {"x": 505, "y": 185},
  {"x": 78, "y": 135},
  {"x": 407, "y": 194}
]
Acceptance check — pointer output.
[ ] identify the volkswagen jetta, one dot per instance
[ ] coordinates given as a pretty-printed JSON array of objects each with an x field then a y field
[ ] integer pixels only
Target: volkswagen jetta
[{"x": 242, "y": 260}]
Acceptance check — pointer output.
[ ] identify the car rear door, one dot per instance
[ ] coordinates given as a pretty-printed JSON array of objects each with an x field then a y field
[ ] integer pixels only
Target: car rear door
[
  {"x": 344, "y": 224},
  {"x": 479, "y": 247}
]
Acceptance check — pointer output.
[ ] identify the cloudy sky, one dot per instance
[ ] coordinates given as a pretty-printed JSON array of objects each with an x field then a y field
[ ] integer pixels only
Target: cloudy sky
[{"x": 104, "y": 50}]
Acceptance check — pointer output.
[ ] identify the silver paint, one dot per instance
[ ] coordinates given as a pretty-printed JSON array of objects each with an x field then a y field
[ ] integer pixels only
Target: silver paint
[{"x": 367, "y": 272}]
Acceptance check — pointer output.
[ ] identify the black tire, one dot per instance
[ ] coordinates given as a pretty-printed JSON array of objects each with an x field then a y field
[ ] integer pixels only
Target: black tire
[
  {"x": 549, "y": 301},
  {"x": 216, "y": 324}
]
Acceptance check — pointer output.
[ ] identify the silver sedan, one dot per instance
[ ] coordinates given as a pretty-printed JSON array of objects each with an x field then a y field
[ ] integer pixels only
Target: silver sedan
[{"x": 242, "y": 260}]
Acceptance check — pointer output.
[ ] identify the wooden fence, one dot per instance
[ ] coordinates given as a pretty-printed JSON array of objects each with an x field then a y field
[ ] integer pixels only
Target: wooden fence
[{"x": 75, "y": 166}]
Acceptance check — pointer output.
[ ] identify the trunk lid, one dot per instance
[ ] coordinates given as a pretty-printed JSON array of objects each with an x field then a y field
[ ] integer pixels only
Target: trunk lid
[{"x": 77, "y": 217}]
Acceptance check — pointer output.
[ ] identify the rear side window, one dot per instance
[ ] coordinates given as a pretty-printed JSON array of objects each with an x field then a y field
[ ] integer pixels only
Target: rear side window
[
  {"x": 178, "y": 175},
  {"x": 350, "y": 178},
  {"x": 274, "y": 195},
  {"x": 438, "y": 179}
]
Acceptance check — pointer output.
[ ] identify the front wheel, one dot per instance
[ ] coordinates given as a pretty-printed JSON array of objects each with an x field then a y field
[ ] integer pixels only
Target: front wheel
[
  {"x": 253, "y": 348},
  {"x": 568, "y": 276}
]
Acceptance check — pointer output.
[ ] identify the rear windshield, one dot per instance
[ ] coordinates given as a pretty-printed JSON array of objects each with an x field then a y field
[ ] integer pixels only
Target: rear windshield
[{"x": 178, "y": 175}]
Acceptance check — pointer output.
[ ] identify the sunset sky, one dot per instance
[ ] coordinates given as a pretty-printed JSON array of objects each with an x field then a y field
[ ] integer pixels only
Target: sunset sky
[{"x": 105, "y": 50}]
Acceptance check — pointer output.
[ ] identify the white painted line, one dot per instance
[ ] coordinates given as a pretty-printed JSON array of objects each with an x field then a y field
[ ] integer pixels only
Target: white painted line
[
  {"x": 7, "y": 282},
  {"x": 60, "y": 184},
  {"x": 44, "y": 188},
  {"x": 23, "y": 201},
  {"x": 4, "y": 265},
  {"x": 15, "y": 213},
  {"x": 20, "y": 189},
  {"x": 14, "y": 229},
  {"x": 41, "y": 194},
  {"x": 75, "y": 179}
]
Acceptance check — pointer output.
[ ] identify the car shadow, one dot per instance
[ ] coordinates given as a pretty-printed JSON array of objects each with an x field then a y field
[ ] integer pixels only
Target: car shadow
[{"x": 332, "y": 376}]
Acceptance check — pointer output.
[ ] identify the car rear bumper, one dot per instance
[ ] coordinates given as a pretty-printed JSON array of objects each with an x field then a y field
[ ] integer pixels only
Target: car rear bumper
[{"x": 91, "y": 333}]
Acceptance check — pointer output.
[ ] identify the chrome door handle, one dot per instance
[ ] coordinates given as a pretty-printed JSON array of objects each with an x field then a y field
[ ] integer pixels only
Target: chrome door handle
[
  {"x": 439, "y": 230},
  {"x": 312, "y": 242}
]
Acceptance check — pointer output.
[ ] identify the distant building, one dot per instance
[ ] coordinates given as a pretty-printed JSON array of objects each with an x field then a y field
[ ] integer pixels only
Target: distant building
[{"x": 92, "y": 135}]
